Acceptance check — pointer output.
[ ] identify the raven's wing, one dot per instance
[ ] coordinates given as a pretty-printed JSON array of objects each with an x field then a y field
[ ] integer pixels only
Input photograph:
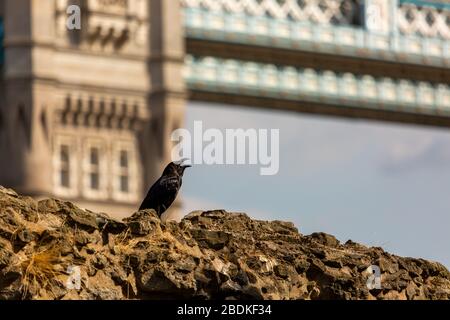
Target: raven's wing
[{"x": 162, "y": 193}]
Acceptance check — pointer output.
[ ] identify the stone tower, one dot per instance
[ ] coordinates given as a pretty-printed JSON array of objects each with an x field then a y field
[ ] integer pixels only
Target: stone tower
[{"x": 86, "y": 114}]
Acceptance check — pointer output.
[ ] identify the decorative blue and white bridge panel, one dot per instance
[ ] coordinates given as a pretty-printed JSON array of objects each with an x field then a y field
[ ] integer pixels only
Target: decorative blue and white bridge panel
[{"x": 404, "y": 33}]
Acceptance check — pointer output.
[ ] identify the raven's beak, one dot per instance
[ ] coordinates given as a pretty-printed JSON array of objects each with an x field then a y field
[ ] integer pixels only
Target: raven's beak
[
  {"x": 181, "y": 163},
  {"x": 185, "y": 165}
]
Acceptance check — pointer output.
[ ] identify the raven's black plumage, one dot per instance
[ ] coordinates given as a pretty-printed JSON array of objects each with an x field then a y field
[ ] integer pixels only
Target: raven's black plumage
[{"x": 164, "y": 191}]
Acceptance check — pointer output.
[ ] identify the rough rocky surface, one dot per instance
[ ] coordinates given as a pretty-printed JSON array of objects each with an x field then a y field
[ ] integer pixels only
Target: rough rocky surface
[{"x": 209, "y": 255}]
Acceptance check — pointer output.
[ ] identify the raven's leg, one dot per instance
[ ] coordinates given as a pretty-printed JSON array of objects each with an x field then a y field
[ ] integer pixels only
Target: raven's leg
[{"x": 162, "y": 209}]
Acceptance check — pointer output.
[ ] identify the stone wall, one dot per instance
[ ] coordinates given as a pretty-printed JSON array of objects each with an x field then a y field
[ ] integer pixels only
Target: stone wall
[{"x": 208, "y": 255}]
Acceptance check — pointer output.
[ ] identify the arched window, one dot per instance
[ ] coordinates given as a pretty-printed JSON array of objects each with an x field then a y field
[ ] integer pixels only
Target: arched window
[
  {"x": 65, "y": 166},
  {"x": 64, "y": 169},
  {"x": 124, "y": 176},
  {"x": 94, "y": 168},
  {"x": 125, "y": 184},
  {"x": 95, "y": 165}
]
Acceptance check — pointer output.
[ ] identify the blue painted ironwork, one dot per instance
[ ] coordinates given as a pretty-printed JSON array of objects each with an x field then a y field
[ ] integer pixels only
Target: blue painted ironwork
[
  {"x": 344, "y": 90},
  {"x": 222, "y": 26}
]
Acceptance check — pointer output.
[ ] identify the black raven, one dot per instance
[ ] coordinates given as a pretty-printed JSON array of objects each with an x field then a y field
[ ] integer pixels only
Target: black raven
[{"x": 164, "y": 191}]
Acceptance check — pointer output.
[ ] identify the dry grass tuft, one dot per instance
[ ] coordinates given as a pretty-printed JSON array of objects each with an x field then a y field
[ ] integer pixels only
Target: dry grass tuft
[
  {"x": 41, "y": 269},
  {"x": 124, "y": 236}
]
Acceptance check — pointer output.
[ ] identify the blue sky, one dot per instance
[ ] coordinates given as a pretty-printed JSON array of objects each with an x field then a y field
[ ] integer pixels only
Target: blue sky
[{"x": 375, "y": 183}]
